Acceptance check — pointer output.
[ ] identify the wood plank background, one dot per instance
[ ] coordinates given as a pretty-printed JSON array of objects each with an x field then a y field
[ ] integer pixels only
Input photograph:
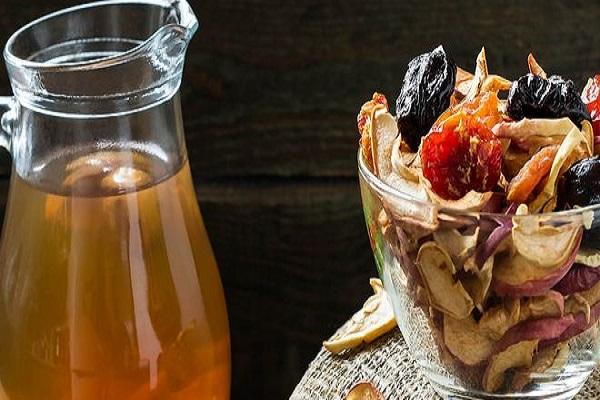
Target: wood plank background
[{"x": 270, "y": 94}]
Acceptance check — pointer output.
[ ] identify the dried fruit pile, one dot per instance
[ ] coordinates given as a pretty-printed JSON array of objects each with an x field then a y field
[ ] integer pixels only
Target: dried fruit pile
[{"x": 506, "y": 289}]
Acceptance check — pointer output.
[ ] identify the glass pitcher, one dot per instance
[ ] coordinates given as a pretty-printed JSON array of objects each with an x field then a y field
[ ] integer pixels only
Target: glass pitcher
[{"x": 108, "y": 284}]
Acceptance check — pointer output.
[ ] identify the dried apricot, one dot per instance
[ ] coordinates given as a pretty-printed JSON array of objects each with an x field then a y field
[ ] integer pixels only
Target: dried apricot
[
  {"x": 534, "y": 170},
  {"x": 461, "y": 155}
]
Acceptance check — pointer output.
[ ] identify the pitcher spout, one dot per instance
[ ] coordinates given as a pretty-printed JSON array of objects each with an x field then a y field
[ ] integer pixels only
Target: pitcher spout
[{"x": 101, "y": 58}]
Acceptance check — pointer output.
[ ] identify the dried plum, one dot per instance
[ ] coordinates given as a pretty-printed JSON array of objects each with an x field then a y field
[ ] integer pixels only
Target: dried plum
[
  {"x": 578, "y": 187},
  {"x": 532, "y": 96},
  {"x": 425, "y": 94}
]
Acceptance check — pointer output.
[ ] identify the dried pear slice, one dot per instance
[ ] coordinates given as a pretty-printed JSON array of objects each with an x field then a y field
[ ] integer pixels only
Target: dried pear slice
[
  {"x": 374, "y": 319},
  {"x": 516, "y": 356},
  {"x": 465, "y": 341},
  {"x": 446, "y": 294}
]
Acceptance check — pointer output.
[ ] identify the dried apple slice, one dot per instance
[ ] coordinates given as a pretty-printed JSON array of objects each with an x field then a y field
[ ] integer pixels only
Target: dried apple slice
[
  {"x": 481, "y": 72},
  {"x": 545, "y": 245},
  {"x": 374, "y": 319},
  {"x": 477, "y": 282},
  {"x": 401, "y": 162},
  {"x": 543, "y": 361},
  {"x": 465, "y": 341},
  {"x": 459, "y": 246},
  {"x": 446, "y": 294},
  {"x": 472, "y": 201},
  {"x": 535, "y": 68},
  {"x": 384, "y": 131},
  {"x": 496, "y": 321},
  {"x": 364, "y": 121},
  {"x": 518, "y": 276},
  {"x": 517, "y": 355},
  {"x": 588, "y": 257}
]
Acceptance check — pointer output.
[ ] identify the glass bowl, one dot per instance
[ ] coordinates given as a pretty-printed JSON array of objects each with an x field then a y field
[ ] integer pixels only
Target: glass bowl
[{"x": 491, "y": 305}]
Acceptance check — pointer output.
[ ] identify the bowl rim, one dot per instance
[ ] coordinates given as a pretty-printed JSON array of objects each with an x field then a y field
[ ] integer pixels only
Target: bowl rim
[{"x": 383, "y": 188}]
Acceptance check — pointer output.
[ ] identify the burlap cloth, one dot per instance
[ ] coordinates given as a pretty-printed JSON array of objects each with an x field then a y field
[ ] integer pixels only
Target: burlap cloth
[{"x": 387, "y": 363}]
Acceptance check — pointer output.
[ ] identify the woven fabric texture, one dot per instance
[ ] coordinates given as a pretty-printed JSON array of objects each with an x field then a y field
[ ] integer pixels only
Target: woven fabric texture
[{"x": 387, "y": 363}]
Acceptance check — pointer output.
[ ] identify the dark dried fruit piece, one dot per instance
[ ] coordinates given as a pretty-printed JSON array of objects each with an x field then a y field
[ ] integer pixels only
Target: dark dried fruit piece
[
  {"x": 591, "y": 98},
  {"x": 578, "y": 186},
  {"x": 425, "y": 94},
  {"x": 461, "y": 155},
  {"x": 532, "y": 96}
]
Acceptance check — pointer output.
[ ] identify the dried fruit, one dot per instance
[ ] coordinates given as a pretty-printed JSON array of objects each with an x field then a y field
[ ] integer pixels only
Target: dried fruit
[
  {"x": 578, "y": 279},
  {"x": 496, "y": 321},
  {"x": 530, "y": 134},
  {"x": 535, "y": 169},
  {"x": 425, "y": 94},
  {"x": 364, "y": 391},
  {"x": 545, "y": 245},
  {"x": 364, "y": 119},
  {"x": 533, "y": 96},
  {"x": 465, "y": 341},
  {"x": 516, "y": 276},
  {"x": 517, "y": 355},
  {"x": 588, "y": 257},
  {"x": 461, "y": 155},
  {"x": 535, "y": 329},
  {"x": 591, "y": 98},
  {"x": 485, "y": 107},
  {"x": 446, "y": 294},
  {"x": 374, "y": 319},
  {"x": 578, "y": 186},
  {"x": 568, "y": 153},
  {"x": 535, "y": 68}
]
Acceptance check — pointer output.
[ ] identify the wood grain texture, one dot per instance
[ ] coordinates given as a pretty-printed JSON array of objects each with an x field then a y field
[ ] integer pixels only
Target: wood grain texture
[{"x": 270, "y": 95}]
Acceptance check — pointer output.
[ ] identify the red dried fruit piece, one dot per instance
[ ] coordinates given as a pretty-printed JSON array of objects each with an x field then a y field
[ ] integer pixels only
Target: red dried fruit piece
[
  {"x": 461, "y": 155},
  {"x": 591, "y": 98}
]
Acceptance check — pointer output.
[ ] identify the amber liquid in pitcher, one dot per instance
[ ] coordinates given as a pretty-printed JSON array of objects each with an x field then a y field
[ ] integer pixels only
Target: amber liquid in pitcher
[{"x": 109, "y": 288}]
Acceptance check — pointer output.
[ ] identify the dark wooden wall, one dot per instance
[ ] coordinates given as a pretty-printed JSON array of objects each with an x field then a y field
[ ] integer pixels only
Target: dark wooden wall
[{"x": 270, "y": 96}]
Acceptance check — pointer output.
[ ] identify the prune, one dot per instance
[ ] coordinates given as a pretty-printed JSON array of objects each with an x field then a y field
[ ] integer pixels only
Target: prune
[
  {"x": 461, "y": 155},
  {"x": 425, "y": 94},
  {"x": 532, "y": 96},
  {"x": 591, "y": 98},
  {"x": 578, "y": 187}
]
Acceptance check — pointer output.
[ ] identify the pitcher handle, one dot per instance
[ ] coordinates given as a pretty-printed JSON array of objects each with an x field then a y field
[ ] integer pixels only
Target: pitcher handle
[{"x": 8, "y": 112}]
